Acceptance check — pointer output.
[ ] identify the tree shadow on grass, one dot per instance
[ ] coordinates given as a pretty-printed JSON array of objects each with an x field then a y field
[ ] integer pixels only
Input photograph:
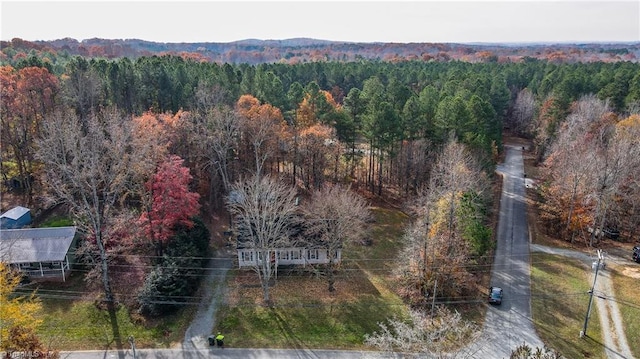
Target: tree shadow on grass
[{"x": 292, "y": 340}]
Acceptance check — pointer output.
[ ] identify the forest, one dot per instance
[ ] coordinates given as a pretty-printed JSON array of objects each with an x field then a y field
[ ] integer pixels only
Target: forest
[
  {"x": 300, "y": 50},
  {"x": 162, "y": 142}
]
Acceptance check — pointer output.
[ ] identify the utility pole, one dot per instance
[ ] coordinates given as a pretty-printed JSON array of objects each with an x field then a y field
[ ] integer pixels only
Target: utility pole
[
  {"x": 433, "y": 302},
  {"x": 595, "y": 277},
  {"x": 424, "y": 260}
]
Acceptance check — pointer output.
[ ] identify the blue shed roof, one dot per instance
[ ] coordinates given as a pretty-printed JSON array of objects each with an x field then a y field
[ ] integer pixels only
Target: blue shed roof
[{"x": 15, "y": 213}]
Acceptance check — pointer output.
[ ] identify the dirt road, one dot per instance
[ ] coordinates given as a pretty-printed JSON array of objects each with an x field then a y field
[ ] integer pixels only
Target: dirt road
[{"x": 615, "y": 340}]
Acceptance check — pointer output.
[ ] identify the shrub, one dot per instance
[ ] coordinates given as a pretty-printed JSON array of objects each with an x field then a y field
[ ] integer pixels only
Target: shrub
[{"x": 173, "y": 281}]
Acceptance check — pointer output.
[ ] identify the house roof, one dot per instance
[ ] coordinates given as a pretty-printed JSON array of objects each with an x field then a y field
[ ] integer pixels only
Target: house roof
[
  {"x": 35, "y": 244},
  {"x": 297, "y": 237},
  {"x": 15, "y": 213}
]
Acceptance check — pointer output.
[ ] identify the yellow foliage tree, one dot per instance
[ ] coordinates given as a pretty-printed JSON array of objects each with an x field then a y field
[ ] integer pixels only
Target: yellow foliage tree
[{"x": 15, "y": 311}]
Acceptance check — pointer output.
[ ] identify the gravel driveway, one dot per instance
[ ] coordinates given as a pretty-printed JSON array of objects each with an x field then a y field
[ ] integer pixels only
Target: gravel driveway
[
  {"x": 615, "y": 341},
  {"x": 213, "y": 287}
]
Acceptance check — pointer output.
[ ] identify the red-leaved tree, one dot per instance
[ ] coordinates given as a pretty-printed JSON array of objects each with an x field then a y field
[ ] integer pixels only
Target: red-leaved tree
[{"x": 172, "y": 202}]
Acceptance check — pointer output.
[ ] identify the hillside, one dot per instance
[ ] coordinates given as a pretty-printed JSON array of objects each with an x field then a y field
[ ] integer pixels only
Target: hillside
[{"x": 253, "y": 51}]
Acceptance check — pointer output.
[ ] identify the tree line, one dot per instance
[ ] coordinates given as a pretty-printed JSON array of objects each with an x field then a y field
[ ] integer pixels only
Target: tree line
[
  {"x": 159, "y": 141},
  {"x": 399, "y": 111}
]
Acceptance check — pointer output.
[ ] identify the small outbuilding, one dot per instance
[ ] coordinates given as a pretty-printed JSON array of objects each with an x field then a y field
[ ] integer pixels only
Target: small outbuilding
[
  {"x": 44, "y": 253},
  {"x": 17, "y": 217}
]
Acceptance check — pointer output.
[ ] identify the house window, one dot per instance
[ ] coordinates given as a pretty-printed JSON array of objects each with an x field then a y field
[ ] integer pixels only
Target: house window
[
  {"x": 247, "y": 256},
  {"x": 295, "y": 254},
  {"x": 283, "y": 255},
  {"x": 312, "y": 254}
]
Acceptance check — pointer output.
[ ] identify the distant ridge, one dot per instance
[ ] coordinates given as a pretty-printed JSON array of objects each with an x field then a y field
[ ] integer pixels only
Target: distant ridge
[
  {"x": 299, "y": 50},
  {"x": 298, "y": 41}
]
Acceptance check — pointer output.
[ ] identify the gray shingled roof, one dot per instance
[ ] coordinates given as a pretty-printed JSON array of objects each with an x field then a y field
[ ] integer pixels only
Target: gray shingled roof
[{"x": 35, "y": 244}]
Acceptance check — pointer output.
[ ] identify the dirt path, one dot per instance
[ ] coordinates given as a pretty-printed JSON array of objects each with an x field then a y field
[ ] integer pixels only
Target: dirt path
[{"x": 615, "y": 340}]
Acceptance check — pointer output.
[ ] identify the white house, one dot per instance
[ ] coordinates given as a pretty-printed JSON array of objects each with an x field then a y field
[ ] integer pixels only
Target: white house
[
  {"x": 249, "y": 257},
  {"x": 38, "y": 252}
]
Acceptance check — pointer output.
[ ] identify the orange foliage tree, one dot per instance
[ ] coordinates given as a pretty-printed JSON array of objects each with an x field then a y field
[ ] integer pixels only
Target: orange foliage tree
[
  {"x": 315, "y": 107},
  {"x": 263, "y": 131},
  {"x": 315, "y": 146},
  {"x": 28, "y": 95},
  {"x": 152, "y": 135}
]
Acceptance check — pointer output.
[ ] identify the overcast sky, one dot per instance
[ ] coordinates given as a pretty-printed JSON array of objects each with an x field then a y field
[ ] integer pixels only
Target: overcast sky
[{"x": 355, "y": 21}]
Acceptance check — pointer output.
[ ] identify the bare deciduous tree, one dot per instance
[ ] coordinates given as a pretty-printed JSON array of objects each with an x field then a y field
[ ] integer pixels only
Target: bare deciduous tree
[
  {"x": 335, "y": 215},
  {"x": 217, "y": 132},
  {"x": 615, "y": 156},
  {"x": 428, "y": 256},
  {"x": 628, "y": 130},
  {"x": 592, "y": 165},
  {"x": 435, "y": 246},
  {"x": 523, "y": 111},
  {"x": 571, "y": 162},
  {"x": 264, "y": 211},
  {"x": 82, "y": 87},
  {"x": 524, "y": 351},
  {"x": 208, "y": 96},
  {"x": 87, "y": 165},
  {"x": 455, "y": 172},
  {"x": 432, "y": 336}
]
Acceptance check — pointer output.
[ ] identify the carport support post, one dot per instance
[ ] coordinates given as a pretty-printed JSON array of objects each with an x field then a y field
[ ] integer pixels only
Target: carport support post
[
  {"x": 133, "y": 346},
  {"x": 595, "y": 277}
]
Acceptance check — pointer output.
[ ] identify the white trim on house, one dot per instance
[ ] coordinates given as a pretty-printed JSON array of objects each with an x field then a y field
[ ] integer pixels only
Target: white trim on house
[{"x": 250, "y": 257}]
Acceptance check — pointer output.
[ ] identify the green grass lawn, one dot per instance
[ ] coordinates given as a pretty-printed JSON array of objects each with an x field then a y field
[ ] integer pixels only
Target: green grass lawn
[
  {"x": 57, "y": 222},
  {"x": 304, "y": 314},
  {"x": 626, "y": 292},
  {"x": 559, "y": 292},
  {"x": 339, "y": 325},
  {"x": 70, "y": 323}
]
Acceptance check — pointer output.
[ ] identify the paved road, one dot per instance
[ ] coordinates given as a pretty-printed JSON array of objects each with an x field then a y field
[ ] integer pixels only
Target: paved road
[
  {"x": 230, "y": 353},
  {"x": 509, "y": 325}
]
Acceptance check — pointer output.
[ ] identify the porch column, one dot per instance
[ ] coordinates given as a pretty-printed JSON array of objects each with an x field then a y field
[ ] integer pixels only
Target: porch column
[
  {"x": 62, "y": 270},
  {"x": 277, "y": 252},
  {"x": 41, "y": 272}
]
